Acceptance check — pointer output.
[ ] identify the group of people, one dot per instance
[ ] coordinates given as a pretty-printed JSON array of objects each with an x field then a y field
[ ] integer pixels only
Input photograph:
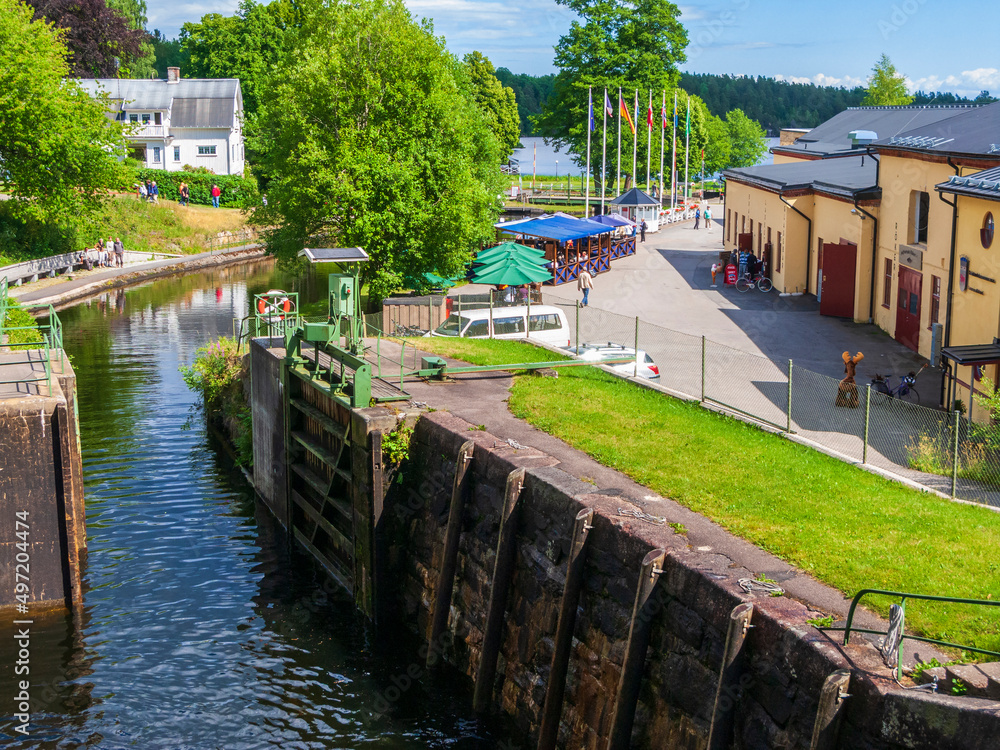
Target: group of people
[
  {"x": 105, "y": 254},
  {"x": 148, "y": 191},
  {"x": 708, "y": 217}
]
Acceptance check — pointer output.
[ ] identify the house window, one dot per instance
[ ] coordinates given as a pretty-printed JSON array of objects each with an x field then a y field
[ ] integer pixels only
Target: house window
[
  {"x": 887, "y": 283},
  {"x": 729, "y": 220},
  {"x": 156, "y": 154},
  {"x": 177, "y": 153},
  {"x": 206, "y": 150},
  {"x": 751, "y": 235},
  {"x": 935, "y": 300},
  {"x": 777, "y": 255},
  {"x": 921, "y": 207},
  {"x": 145, "y": 119},
  {"x": 133, "y": 118},
  {"x": 743, "y": 224},
  {"x": 157, "y": 118}
]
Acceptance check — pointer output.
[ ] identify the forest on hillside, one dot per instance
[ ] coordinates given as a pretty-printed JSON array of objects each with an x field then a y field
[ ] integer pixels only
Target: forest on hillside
[{"x": 774, "y": 104}]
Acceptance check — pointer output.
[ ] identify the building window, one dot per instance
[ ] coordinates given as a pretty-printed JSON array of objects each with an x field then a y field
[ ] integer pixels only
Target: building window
[
  {"x": 133, "y": 118},
  {"x": 145, "y": 119},
  {"x": 729, "y": 221},
  {"x": 887, "y": 283},
  {"x": 920, "y": 210},
  {"x": 156, "y": 154},
  {"x": 751, "y": 236},
  {"x": 743, "y": 224},
  {"x": 206, "y": 150},
  {"x": 157, "y": 118},
  {"x": 177, "y": 153},
  {"x": 777, "y": 255},
  {"x": 935, "y": 300},
  {"x": 986, "y": 234}
]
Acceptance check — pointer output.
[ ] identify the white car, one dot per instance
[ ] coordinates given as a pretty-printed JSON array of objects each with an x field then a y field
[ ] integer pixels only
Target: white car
[
  {"x": 601, "y": 352},
  {"x": 538, "y": 323}
]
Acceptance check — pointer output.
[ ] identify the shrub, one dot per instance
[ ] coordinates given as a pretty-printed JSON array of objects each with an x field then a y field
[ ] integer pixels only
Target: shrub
[
  {"x": 237, "y": 191},
  {"x": 22, "y": 239},
  {"x": 21, "y": 319}
]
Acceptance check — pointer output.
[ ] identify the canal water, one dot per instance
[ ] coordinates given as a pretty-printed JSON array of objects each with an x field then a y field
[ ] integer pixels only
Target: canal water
[{"x": 200, "y": 628}]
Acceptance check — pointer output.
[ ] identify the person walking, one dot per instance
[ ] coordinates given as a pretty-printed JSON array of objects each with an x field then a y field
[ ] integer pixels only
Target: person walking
[
  {"x": 215, "y": 195},
  {"x": 708, "y": 218},
  {"x": 155, "y": 193},
  {"x": 642, "y": 231},
  {"x": 185, "y": 193},
  {"x": 119, "y": 253},
  {"x": 149, "y": 191},
  {"x": 697, "y": 217},
  {"x": 584, "y": 283},
  {"x": 143, "y": 193}
]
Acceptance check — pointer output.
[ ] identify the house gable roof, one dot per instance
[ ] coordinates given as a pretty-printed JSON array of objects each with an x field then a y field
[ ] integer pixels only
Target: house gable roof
[
  {"x": 200, "y": 102},
  {"x": 832, "y": 138}
]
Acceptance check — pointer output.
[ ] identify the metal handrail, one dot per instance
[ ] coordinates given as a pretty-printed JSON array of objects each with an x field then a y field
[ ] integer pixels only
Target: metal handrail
[
  {"x": 847, "y": 628},
  {"x": 52, "y": 339}
]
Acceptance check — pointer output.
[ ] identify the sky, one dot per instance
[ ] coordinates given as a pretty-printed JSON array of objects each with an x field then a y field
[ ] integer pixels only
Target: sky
[{"x": 939, "y": 45}]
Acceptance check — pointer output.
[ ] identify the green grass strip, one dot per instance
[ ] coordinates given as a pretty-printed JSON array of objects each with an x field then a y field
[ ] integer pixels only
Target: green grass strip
[{"x": 847, "y": 527}]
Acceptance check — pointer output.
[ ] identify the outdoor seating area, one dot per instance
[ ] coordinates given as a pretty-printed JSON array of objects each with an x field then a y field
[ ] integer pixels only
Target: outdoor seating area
[{"x": 569, "y": 246}]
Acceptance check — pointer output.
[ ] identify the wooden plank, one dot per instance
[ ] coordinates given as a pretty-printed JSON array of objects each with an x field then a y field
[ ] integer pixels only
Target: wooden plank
[
  {"x": 727, "y": 694},
  {"x": 328, "y": 423},
  {"x": 831, "y": 702},
  {"x": 340, "y": 540},
  {"x": 320, "y": 452},
  {"x": 449, "y": 557},
  {"x": 503, "y": 572},
  {"x": 552, "y": 710},
  {"x": 635, "y": 651},
  {"x": 316, "y": 483},
  {"x": 333, "y": 569}
]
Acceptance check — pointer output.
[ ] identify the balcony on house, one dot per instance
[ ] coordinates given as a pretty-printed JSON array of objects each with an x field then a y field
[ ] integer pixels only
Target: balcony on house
[{"x": 147, "y": 131}]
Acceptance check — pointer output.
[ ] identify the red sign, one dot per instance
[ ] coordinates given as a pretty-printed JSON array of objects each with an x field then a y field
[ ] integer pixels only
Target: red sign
[{"x": 730, "y": 274}]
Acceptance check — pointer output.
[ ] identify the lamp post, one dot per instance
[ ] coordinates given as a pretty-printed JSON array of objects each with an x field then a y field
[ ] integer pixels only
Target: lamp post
[{"x": 557, "y": 169}]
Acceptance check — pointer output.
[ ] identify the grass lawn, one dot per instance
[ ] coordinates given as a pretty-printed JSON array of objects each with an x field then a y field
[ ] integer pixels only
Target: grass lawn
[
  {"x": 845, "y": 526},
  {"x": 165, "y": 226}
]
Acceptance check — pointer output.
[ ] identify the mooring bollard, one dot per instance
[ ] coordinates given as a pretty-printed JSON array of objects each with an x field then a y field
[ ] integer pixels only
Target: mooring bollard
[
  {"x": 720, "y": 735},
  {"x": 831, "y": 703},
  {"x": 635, "y": 651},
  {"x": 503, "y": 571},
  {"x": 449, "y": 556},
  {"x": 552, "y": 710}
]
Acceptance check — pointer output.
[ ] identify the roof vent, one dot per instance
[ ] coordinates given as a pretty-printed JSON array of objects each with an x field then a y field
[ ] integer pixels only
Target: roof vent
[
  {"x": 173, "y": 75},
  {"x": 862, "y": 137}
]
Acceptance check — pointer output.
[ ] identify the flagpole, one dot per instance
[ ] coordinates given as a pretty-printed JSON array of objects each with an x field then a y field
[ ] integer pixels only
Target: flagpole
[
  {"x": 673, "y": 158},
  {"x": 649, "y": 137},
  {"x": 635, "y": 136},
  {"x": 663, "y": 131},
  {"x": 534, "y": 165},
  {"x": 618, "y": 174},
  {"x": 590, "y": 121},
  {"x": 687, "y": 152},
  {"x": 604, "y": 148}
]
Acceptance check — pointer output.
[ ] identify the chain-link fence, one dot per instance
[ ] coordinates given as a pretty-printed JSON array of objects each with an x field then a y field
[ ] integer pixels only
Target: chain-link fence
[{"x": 939, "y": 450}]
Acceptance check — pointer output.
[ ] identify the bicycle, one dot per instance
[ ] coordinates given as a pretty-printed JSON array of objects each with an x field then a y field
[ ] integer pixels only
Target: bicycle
[
  {"x": 408, "y": 331},
  {"x": 744, "y": 283},
  {"x": 905, "y": 391}
]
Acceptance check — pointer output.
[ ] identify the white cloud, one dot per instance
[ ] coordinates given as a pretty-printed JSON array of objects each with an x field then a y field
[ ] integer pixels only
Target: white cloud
[
  {"x": 822, "y": 79},
  {"x": 966, "y": 83}
]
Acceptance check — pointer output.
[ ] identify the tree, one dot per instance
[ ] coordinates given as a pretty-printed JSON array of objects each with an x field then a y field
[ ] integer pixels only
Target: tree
[
  {"x": 167, "y": 53},
  {"x": 719, "y": 148},
  {"x": 244, "y": 46},
  {"x": 886, "y": 86},
  {"x": 134, "y": 12},
  {"x": 747, "y": 139},
  {"x": 369, "y": 135},
  {"x": 100, "y": 40},
  {"x": 57, "y": 144},
  {"x": 496, "y": 101},
  {"x": 636, "y": 46}
]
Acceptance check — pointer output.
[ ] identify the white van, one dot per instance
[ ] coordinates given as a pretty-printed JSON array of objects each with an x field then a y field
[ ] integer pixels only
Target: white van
[{"x": 545, "y": 323}]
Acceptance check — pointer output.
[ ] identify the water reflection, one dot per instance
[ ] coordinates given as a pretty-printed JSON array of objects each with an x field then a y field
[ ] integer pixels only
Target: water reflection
[{"x": 195, "y": 632}]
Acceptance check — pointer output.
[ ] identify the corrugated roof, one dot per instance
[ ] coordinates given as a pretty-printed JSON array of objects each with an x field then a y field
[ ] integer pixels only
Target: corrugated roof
[
  {"x": 985, "y": 184},
  {"x": 832, "y": 138},
  {"x": 845, "y": 176},
  {"x": 202, "y": 113},
  {"x": 974, "y": 132}
]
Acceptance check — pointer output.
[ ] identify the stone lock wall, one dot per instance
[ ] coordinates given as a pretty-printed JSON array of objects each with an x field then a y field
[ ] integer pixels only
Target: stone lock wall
[{"x": 774, "y": 703}]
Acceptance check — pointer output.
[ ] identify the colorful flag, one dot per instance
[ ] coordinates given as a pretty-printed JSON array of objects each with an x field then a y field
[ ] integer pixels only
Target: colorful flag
[
  {"x": 649, "y": 117},
  {"x": 687, "y": 127},
  {"x": 663, "y": 116},
  {"x": 607, "y": 105},
  {"x": 623, "y": 108},
  {"x": 590, "y": 109}
]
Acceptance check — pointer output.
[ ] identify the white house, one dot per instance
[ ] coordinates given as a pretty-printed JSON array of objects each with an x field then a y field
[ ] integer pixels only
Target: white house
[{"x": 179, "y": 121}]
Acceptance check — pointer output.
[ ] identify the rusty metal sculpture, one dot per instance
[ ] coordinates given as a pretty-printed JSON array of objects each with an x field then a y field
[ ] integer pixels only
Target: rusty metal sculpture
[{"x": 847, "y": 389}]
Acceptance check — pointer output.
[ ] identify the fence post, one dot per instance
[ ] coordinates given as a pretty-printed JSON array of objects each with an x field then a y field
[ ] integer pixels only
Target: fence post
[
  {"x": 636, "y": 373},
  {"x": 491, "y": 313},
  {"x": 868, "y": 407},
  {"x": 578, "y": 326},
  {"x": 460, "y": 316},
  {"x": 954, "y": 453},
  {"x": 788, "y": 416},
  {"x": 527, "y": 329},
  {"x": 702, "y": 368}
]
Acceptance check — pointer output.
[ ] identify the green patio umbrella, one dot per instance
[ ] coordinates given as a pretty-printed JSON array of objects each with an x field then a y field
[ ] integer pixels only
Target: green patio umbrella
[
  {"x": 511, "y": 273},
  {"x": 524, "y": 264},
  {"x": 434, "y": 280},
  {"x": 510, "y": 250}
]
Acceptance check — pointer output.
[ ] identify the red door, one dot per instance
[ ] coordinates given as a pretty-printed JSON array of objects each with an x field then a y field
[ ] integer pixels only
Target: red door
[
  {"x": 908, "y": 308},
  {"x": 744, "y": 241},
  {"x": 838, "y": 276}
]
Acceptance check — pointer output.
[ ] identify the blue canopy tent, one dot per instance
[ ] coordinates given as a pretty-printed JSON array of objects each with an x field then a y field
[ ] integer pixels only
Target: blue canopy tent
[{"x": 613, "y": 220}]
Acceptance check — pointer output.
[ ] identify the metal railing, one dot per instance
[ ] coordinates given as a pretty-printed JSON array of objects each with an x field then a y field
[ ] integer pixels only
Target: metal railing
[
  {"x": 896, "y": 633},
  {"x": 227, "y": 240},
  {"x": 39, "y": 350}
]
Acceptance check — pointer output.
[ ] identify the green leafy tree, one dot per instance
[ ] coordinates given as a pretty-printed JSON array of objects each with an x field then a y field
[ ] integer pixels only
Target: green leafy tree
[
  {"x": 719, "y": 146},
  {"x": 636, "y": 46},
  {"x": 167, "y": 53},
  {"x": 886, "y": 86},
  {"x": 496, "y": 101},
  {"x": 58, "y": 147},
  {"x": 369, "y": 135},
  {"x": 747, "y": 139},
  {"x": 134, "y": 11},
  {"x": 244, "y": 46}
]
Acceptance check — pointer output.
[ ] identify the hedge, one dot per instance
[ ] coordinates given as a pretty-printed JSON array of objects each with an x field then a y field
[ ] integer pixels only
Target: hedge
[{"x": 237, "y": 191}]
